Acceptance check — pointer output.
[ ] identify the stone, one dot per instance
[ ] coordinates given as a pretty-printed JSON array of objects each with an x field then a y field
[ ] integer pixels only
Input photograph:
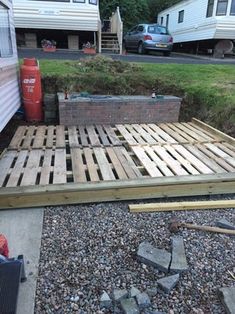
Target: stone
[
  {"x": 134, "y": 291},
  {"x": 227, "y": 296},
  {"x": 129, "y": 306},
  {"x": 178, "y": 261},
  {"x": 152, "y": 291},
  {"x": 119, "y": 294},
  {"x": 153, "y": 312},
  {"x": 143, "y": 300},
  {"x": 168, "y": 283},
  {"x": 155, "y": 257},
  {"x": 224, "y": 223},
  {"x": 105, "y": 301}
]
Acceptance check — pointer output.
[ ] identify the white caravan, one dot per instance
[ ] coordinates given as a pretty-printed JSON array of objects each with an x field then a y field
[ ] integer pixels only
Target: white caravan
[
  {"x": 9, "y": 85},
  {"x": 201, "y": 25}
]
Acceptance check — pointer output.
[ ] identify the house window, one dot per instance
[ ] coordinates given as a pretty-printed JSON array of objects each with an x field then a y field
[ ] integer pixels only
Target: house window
[
  {"x": 181, "y": 16},
  {"x": 232, "y": 12},
  {"x": 222, "y": 7},
  {"x": 162, "y": 20},
  {"x": 210, "y": 8},
  {"x": 5, "y": 33},
  {"x": 93, "y": 2},
  {"x": 167, "y": 20}
]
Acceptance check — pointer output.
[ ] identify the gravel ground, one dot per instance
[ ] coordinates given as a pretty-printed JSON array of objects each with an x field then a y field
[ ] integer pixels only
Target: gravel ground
[{"x": 90, "y": 248}]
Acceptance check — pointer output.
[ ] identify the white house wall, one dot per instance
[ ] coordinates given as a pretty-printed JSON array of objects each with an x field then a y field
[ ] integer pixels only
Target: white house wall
[
  {"x": 196, "y": 26},
  {"x": 9, "y": 86},
  {"x": 56, "y": 15}
]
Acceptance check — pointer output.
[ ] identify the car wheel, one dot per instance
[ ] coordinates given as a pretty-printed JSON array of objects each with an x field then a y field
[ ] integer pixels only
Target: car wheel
[
  {"x": 141, "y": 49},
  {"x": 166, "y": 53}
]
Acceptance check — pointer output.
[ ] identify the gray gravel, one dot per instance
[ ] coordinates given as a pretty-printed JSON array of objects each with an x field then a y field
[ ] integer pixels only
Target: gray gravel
[{"x": 88, "y": 249}]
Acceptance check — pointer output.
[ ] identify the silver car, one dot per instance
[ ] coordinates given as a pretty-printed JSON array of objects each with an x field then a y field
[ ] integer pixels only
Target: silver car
[{"x": 145, "y": 37}]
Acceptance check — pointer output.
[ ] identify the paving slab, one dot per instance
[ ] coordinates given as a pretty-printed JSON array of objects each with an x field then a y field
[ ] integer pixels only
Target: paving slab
[
  {"x": 129, "y": 306},
  {"x": 134, "y": 291},
  {"x": 179, "y": 261},
  {"x": 119, "y": 294},
  {"x": 227, "y": 296},
  {"x": 143, "y": 300},
  {"x": 168, "y": 283},
  {"x": 23, "y": 230},
  {"x": 224, "y": 223},
  {"x": 155, "y": 257},
  {"x": 105, "y": 301}
]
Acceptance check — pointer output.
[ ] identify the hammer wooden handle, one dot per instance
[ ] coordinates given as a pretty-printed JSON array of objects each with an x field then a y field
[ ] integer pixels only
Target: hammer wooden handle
[{"x": 207, "y": 228}]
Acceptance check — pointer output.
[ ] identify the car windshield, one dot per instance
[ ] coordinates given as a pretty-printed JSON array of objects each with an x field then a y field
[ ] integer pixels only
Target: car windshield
[{"x": 156, "y": 29}]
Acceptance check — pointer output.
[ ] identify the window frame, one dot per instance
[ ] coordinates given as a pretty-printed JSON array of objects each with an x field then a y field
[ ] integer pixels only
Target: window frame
[
  {"x": 217, "y": 8},
  {"x": 10, "y": 40},
  {"x": 210, "y": 4},
  {"x": 181, "y": 16},
  {"x": 162, "y": 20}
]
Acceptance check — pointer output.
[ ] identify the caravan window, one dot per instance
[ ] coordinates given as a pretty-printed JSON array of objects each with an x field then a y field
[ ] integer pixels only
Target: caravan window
[
  {"x": 232, "y": 12},
  {"x": 162, "y": 20},
  {"x": 222, "y": 7},
  {"x": 181, "y": 16},
  {"x": 5, "y": 33},
  {"x": 210, "y": 8}
]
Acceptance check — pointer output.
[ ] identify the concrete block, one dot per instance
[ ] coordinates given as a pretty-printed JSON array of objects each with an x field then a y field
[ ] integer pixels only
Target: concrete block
[
  {"x": 227, "y": 296},
  {"x": 168, "y": 283},
  {"x": 178, "y": 262},
  {"x": 152, "y": 256},
  {"x": 129, "y": 306},
  {"x": 224, "y": 223},
  {"x": 143, "y": 300},
  {"x": 105, "y": 301},
  {"x": 119, "y": 294}
]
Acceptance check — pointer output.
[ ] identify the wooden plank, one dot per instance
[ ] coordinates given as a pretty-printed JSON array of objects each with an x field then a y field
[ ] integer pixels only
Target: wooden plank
[
  {"x": 79, "y": 174},
  {"x": 194, "y": 135},
  {"x": 5, "y": 164},
  {"x": 183, "y": 134},
  {"x": 17, "y": 169},
  {"x": 200, "y": 166},
  {"x": 59, "y": 173},
  {"x": 214, "y": 131},
  {"x": 173, "y": 206},
  {"x": 116, "y": 163},
  {"x": 148, "y": 164},
  {"x": 111, "y": 135},
  {"x": 27, "y": 142},
  {"x": 146, "y": 136},
  {"x": 153, "y": 134},
  {"x": 172, "y": 163},
  {"x": 226, "y": 149},
  {"x": 93, "y": 137},
  {"x": 74, "y": 193},
  {"x": 199, "y": 131},
  {"x": 46, "y": 167},
  {"x": 128, "y": 164},
  {"x": 50, "y": 136},
  {"x": 83, "y": 135},
  {"x": 183, "y": 161},
  {"x": 221, "y": 153},
  {"x": 31, "y": 168},
  {"x": 135, "y": 134},
  {"x": 105, "y": 168},
  {"x": 39, "y": 137},
  {"x": 18, "y": 137},
  {"x": 60, "y": 136},
  {"x": 91, "y": 166},
  {"x": 172, "y": 136},
  {"x": 159, "y": 162},
  {"x": 127, "y": 135},
  {"x": 73, "y": 136},
  {"x": 197, "y": 127},
  {"x": 207, "y": 161},
  {"x": 217, "y": 159},
  {"x": 102, "y": 135}
]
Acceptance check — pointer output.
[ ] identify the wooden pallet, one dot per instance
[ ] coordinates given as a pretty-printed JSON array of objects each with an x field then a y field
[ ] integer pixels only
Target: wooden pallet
[{"x": 108, "y": 158}]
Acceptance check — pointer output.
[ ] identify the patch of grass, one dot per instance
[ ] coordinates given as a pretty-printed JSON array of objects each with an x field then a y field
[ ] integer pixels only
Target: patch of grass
[{"x": 208, "y": 91}]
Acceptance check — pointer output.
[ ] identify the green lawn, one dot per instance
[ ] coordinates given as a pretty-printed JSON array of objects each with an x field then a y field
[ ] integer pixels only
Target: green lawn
[{"x": 208, "y": 91}]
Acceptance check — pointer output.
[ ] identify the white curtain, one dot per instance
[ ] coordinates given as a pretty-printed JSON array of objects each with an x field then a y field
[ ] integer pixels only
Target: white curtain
[{"x": 5, "y": 34}]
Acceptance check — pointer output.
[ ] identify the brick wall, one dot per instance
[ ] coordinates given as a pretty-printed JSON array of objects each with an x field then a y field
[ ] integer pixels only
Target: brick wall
[{"x": 114, "y": 110}]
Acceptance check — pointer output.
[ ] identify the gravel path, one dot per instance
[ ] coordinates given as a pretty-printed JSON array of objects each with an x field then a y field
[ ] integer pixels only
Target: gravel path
[{"x": 90, "y": 248}]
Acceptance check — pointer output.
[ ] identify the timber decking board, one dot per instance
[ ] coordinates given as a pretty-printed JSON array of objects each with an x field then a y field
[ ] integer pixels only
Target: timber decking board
[{"x": 49, "y": 155}]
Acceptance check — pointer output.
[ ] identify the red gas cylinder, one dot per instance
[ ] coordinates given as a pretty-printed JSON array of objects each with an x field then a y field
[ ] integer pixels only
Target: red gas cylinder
[
  {"x": 3, "y": 246},
  {"x": 31, "y": 89}
]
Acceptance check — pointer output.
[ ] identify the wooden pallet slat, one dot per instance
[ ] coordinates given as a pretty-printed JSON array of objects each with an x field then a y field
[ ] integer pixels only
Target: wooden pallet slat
[
  {"x": 194, "y": 135},
  {"x": 5, "y": 164},
  {"x": 127, "y": 135},
  {"x": 73, "y": 136},
  {"x": 205, "y": 136},
  {"x": 146, "y": 136},
  {"x": 105, "y": 168},
  {"x": 179, "y": 132},
  {"x": 93, "y": 137},
  {"x": 31, "y": 169},
  {"x": 111, "y": 135},
  {"x": 50, "y": 136},
  {"x": 59, "y": 173},
  {"x": 221, "y": 153},
  {"x": 166, "y": 133},
  {"x": 128, "y": 164},
  {"x": 103, "y": 136},
  {"x": 60, "y": 136},
  {"x": 116, "y": 164},
  {"x": 27, "y": 141},
  {"x": 159, "y": 162},
  {"x": 46, "y": 167},
  {"x": 83, "y": 135},
  {"x": 79, "y": 174},
  {"x": 17, "y": 170},
  {"x": 18, "y": 137},
  {"x": 91, "y": 166},
  {"x": 153, "y": 134},
  {"x": 136, "y": 135}
]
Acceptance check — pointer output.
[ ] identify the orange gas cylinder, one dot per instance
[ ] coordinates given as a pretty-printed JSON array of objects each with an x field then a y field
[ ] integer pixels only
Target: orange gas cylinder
[
  {"x": 4, "y": 246},
  {"x": 31, "y": 89}
]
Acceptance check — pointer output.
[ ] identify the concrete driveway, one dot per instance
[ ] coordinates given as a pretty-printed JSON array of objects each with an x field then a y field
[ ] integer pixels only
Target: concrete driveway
[{"x": 130, "y": 57}]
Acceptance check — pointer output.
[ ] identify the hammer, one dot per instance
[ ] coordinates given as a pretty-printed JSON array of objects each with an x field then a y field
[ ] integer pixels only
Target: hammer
[{"x": 174, "y": 226}]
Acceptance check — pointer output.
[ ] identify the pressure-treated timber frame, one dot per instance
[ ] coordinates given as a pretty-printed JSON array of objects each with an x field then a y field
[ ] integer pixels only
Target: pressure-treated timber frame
[{"x": 59, "y": 194}]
